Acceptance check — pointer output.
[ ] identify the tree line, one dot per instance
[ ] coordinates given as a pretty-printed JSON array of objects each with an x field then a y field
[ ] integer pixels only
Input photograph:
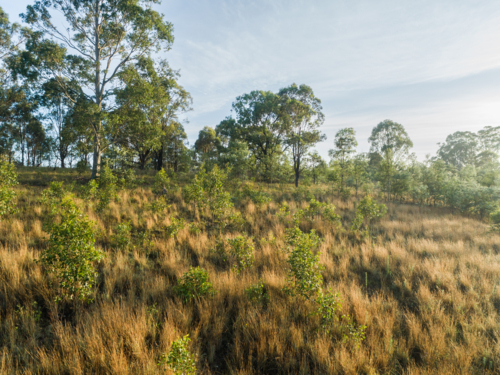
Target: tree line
[{"x": 94, "y": 92}]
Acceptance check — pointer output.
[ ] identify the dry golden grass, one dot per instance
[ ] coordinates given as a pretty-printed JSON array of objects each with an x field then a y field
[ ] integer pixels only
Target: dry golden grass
[{"x": 426, "y": 286}]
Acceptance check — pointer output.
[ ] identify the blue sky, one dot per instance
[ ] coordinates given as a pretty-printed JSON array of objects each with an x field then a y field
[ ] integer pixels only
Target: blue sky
[{"x": 433, "y": 66}]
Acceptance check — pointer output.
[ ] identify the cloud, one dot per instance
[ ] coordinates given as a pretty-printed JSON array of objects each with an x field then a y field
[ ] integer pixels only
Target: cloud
[{"x": 432, "y": 65}]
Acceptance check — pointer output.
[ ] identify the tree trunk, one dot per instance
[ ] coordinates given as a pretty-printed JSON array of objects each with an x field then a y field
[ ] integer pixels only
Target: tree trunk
[
  {"x": 96, "y": 161},
  {"x": 159, "y": 159},
  {"x": 297, "y": 172}
]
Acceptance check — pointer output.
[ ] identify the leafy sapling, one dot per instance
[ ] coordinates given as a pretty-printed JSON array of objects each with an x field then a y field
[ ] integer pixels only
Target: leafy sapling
[
  {"x": 122, "y": 238},
  {"x": 194, "y": 284},
  {"x": 241, "y": 253},
  {"x": 179, "y": 359},
  {"x": 70, "y": 254},
  {"x": 8, "y": 179},
  {"x": 258, "y": 293},
  {"x": 366, "y": 212},
  {"x": 304, "y": 277}
]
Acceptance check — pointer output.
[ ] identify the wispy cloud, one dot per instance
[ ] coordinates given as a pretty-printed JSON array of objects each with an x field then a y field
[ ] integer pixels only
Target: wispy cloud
[{"x": 433, "y": 65}]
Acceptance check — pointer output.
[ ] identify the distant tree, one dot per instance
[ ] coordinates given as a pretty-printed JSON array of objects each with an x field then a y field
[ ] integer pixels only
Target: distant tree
[
  {"x": 489, "y": 139},
  {"x": 460, "y": 149},
  {"x": 260, "y": 124},
  {"x": 173, "y": 151},
  {"x": 304, "y": 117},
  {"x": 104, "y": 37},
  {"x": 391, "y": 142},
  {"x": 316, "y": 163},
  {"x": 359, "y": 170},
  {"x": 58, "y": 108},
  {"x": 207, "y": 145},
  {"x": 345, "y": 145}
]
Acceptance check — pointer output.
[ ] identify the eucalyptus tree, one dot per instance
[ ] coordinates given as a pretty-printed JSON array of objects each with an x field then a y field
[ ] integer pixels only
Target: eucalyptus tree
[
  {"x": 207, "y": 145},
  {"x": 143, "y": 103},
  {"x": 302, "y": 112},
  {"x": 173, "y": 151},
  {"x": 317, "y": 165},
  {"x": 58, "y": 112},
  {"x": 345, "y": 145},
  {"x": 97, "y": 42},
  {"x": 391, "y": 142},
  {"x": 459, "y": 149},
  {"x": 260, "y": 123},
  {"x": 359, "y": 170}
]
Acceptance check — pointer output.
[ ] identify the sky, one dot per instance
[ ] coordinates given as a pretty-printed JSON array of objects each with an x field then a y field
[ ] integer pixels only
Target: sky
[{"x": 431, "y": 65}]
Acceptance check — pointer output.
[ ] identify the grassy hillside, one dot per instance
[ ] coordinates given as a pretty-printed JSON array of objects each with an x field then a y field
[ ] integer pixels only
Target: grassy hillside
[{"x": 426, "y": 285}]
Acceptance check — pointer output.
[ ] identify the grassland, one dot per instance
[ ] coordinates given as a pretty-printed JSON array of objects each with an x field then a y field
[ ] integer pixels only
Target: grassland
[{"x": 426, "y": 285}]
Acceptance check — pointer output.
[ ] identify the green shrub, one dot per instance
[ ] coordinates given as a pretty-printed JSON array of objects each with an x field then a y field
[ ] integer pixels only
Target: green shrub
[
  {"x": 54, "y": 193},
  {"x": 284, "y": 211},
  {"x": 122, "y": 238},
  {"x": 304, "y": 277},
  {"x": 366, "y": 212},
  {"x": 302, "y": 193},
  {"x": 257, "y": 197},
  {"x": 159, "y": 207},
  {"x": 194, "y": 284},
  {"x": 90, "y": 191},
  {"x": 161, "y": 182},
  {"x": 107, "y": 188},
  {"x": 81, "y": 167},
  {"x": 207, "y": 190},
  {"x": 127, "y": 178},
  {"x": 180, "y": 359},
  {"x": 175, "y": 226},
  {"x": 194, "y": 229},
  {"x": 315, "y": 208},
  {"x": 258, "y": 293},
  {"x": 144, "y": 241},
  {"x": 241, "y": 253},
  {"x": 351, "y": 332},
  {"x": 329, "y": 306},
  {"x": 495, "y": 220},
  {"x": 8, "y": 179},
  {"x": 70, "y": 252},
  {"x": 328, "y": 309}
]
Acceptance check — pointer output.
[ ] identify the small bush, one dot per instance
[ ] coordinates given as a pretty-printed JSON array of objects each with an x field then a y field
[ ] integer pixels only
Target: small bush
[
  {"x": 144, "y": 241},
  {"x": 194, "y": 284},
  {"x": 54, "y": 193},
  {"x": 328, "y": 309},
  {"x": 495, "y": 220},
  {"x": 175, "y": 226},
  {"x": 70, "y": 252},
  {"x": 161, "y": 183},
  {"x": 256, "y": 196},
  {"x": 258, "y": 293},
  {"x": 122, "y": 238},
  {"x": 241, "y": 253},
  {"x": 207, "y": 190},
  {"x": 329, "y": 306},
  {"x": 159, "y": 207},
  {"x": 179, "y": 359},
  {"x": 8, "y": 179},
  {"x": 81, "y": 167},
  {"x": 304, "y": 277},
  {"x": 127, "y": 179},
  {"x": 107, "y": 188},
  {"x": 366, "y": 212}
]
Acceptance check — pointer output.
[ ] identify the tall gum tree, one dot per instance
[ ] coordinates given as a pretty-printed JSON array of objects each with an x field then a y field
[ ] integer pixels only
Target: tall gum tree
[
  {"x": 97, "y": 42},
  {"x": 391, "y": 142},
  {"x": 345, "y": 146},
  {"x": 302, "y": 111}
]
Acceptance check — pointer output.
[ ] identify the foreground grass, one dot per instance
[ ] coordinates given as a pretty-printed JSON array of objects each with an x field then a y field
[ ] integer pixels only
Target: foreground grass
[{"x": 426, "y": 286}]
